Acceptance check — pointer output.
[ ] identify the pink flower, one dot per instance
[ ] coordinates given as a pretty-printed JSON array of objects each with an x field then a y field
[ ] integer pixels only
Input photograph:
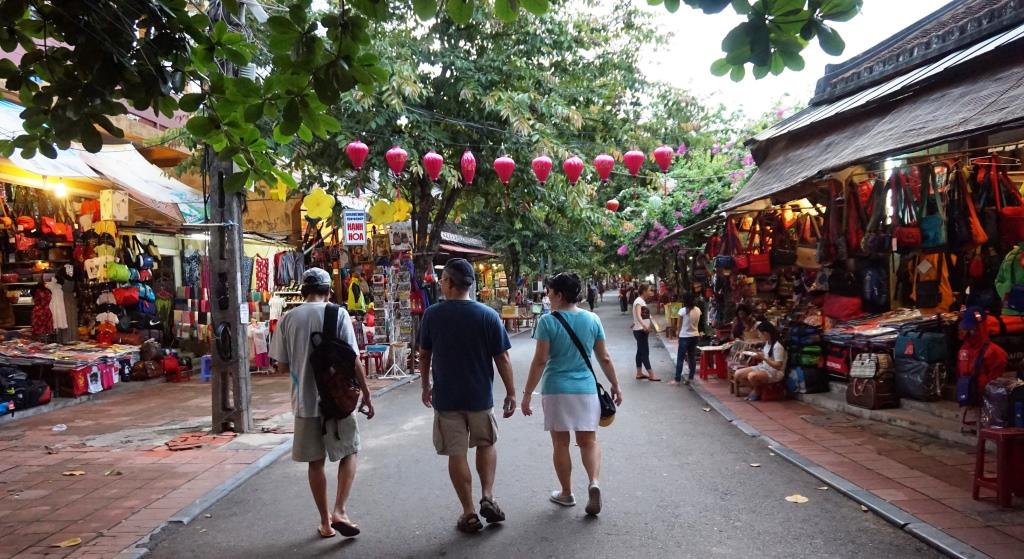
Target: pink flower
[
  {"x": 728, "y": 146},
  {"x": 737, "y": 175},
  {"x": 699, "y": 205},
  {"x": 748, "y": 160},
  {"x": 716, "y": 149},
  {"x": 780, "y": 112},
  {"x": 622, "y": 251},
  {"x": 679, "y": 214},
  {"x": 678, "y": 227},
  {"x": 682, "y": 149}
]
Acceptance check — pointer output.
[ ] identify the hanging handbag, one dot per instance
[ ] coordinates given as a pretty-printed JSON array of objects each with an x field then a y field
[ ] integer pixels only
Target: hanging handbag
[
  {"x": 807, "y": 248},
  {"x": 933, "y": 225},
  {"x": 908, "y": 232},
  {"x": 126, "y": 296},
  {"x": 1014, "y": 298},
  {"x": 1011, "y": 208},
  {"x": 928, "y": 293},
  {"x": 784, "y": 239},
  {"x": 877, "y": 239},
  {"x": 117, "y": 272},
  {"x": 741, "y": 261},
  {"x": 604, "y": 399},
  {"x": 760, "y": 261}
]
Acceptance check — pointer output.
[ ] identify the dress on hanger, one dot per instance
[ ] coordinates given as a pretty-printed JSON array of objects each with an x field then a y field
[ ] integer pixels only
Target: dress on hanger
[
  {"x": 42, "y": 318},
  {"x": 247, "y": 266},
  {"x": 262, "y": 266},
  {"x": 57, "y": 310}
]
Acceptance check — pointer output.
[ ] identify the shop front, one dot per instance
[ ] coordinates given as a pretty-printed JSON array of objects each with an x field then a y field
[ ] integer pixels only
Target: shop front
[{"x": 880, "y": 216}]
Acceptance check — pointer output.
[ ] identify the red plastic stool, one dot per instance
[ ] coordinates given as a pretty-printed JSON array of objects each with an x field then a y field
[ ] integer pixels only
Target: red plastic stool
[
  {"x": 713, "y": 362},
  {"x": 773, "y": 392},
  {"x": 1009, "y": 459},
  {"x": 378, "y": 360}
]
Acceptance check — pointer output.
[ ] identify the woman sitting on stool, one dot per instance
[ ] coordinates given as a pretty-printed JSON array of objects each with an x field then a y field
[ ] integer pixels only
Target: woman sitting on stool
[{"x": 771, "y": 362}]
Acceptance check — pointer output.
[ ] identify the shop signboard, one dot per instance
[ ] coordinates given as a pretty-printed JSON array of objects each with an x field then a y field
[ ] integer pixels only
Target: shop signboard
[{"x": 355, "y": 227}]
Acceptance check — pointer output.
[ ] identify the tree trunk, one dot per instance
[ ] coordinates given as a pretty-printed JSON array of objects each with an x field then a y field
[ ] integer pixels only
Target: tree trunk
[{"x": 513, "y": 265}]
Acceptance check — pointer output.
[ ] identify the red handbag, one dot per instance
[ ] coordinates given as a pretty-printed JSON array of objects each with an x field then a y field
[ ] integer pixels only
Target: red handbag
[
  {"x": 10, "y": 277},
  {"x": 842, "y": 307},
  {"x": 1011, "y": 218},
  {"x": 126, "y": 296},
  {"x": 837, "y": 361},
  {"x": 23, "y": 242},
  {"x": 760, "y": 263},
  {"x": 732, "y": 247},
  {"x": 908, "y": 233}
]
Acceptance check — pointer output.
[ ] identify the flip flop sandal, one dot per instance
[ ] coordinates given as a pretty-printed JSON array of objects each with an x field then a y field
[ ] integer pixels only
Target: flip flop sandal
[
  {"x": 347, "y": 529},
  {"x": 469, "y": 524},
  {"x": 491, "y": 511},
  {"x": 322, "y": 535}
]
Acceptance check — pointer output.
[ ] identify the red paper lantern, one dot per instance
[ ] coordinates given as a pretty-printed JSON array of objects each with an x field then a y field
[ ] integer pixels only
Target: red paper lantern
[
  {"x": 663, "y": 157},
  {"x": 612, "y": 205},
  {"x": 542, "y": 168},
  {"x": 432, "y": 163},
  {"x": 396, "y": 158},
  {"x": 604, "y": 163},
  {"x": 504, "y": 166},
  {"x": 357, "y": 152},
  {"x": 468, "y": 164},
  {"x": 573, "y": 168},
  {"x": 634, "y": 160}
]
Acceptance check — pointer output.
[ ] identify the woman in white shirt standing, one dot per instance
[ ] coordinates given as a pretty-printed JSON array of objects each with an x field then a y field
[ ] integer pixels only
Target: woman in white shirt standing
[
  {"x": 771, "y": 362},
  {"x": 688, "y": 335},
  {"x": 641, "y": 331}
]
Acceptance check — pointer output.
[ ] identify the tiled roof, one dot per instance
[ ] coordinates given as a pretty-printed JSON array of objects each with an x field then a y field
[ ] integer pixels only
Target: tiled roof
[{"x": 952, "y": 27}]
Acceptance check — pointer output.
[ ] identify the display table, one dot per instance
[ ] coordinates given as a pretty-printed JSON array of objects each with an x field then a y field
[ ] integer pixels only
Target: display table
[{"x": 70, "y": 365}]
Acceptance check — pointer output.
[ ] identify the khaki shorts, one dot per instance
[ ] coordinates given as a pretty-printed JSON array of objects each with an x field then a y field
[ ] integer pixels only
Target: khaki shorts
[
  {"x": 311, "y": 443},
  {"x": 455, "y": 432}
]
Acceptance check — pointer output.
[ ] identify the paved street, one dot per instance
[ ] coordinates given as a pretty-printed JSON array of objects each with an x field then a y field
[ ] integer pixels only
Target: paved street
[{"x": 677, "y": 483}]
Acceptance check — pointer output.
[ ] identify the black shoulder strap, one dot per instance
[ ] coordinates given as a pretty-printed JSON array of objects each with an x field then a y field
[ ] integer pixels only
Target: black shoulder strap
[
  {"x": 579, "y": 345},
  {"x": 330, "y": 317}
]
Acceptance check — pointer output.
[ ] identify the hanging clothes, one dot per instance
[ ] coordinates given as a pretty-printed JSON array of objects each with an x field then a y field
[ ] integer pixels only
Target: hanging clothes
[
  {"x": 259, "y": 348},
  {"x": 190, "y": 273},
  {"x": 247, "y": 266},
  {"x": 262, "y": 266},
  {"x": 57, "y": 310},
  {"x": 298, "y": 265},
  {"x": 42, "y": 318}
]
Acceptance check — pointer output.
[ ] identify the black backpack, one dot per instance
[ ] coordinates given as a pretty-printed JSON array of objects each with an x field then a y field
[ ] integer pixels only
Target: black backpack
[{"x": 334, "y": 369}]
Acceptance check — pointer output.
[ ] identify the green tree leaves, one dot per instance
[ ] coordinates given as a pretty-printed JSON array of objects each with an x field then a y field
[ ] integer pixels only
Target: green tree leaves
[{"x": 775, "y": 33}]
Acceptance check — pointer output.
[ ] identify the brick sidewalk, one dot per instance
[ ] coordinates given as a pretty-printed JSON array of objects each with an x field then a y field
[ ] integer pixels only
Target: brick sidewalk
[
  {"x": 926, "y": 477},
  {"x": 132, "y": 482}
]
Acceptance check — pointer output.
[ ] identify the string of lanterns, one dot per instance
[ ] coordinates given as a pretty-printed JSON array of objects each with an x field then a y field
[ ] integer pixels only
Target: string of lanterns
[{"x": 504, "y": 166}]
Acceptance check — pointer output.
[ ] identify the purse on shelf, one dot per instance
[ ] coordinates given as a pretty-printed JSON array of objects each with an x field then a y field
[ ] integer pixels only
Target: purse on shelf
[
  {"x": 759, "y": 262},
  {"x": 877, "y": 238}
]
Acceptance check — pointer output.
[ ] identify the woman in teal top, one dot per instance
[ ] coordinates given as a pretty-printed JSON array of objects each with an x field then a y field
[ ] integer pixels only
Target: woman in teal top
[{"x": 568, "y": 387}]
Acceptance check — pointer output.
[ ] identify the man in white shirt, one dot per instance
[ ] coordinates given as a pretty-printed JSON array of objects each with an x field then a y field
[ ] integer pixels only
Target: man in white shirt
[{"x": 317, "y": 439}]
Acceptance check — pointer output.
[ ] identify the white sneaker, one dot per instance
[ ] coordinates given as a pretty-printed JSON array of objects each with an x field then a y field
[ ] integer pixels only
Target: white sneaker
[
  {"x": 565, "y": 501},
  {"x": 594, "y": 500}
]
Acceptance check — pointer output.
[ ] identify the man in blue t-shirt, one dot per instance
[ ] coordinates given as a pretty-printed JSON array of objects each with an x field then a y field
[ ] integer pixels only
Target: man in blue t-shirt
[{"x": 461, "y": 338}]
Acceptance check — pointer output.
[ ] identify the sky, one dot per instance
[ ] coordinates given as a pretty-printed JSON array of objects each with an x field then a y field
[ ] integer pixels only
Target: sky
[{"x": 696, "y": 43}]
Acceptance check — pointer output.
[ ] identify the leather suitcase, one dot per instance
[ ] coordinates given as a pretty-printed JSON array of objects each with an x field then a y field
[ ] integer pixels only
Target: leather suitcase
[{"x": 872, "y": 393}]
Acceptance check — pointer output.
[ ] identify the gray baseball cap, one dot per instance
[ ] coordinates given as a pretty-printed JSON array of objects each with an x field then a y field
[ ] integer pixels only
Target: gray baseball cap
[{"x": 316, "y": 276}]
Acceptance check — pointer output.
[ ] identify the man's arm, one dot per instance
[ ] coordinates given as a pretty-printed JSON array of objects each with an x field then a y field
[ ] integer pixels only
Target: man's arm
[
  {"x": 427, "y": 395},
  {"x": 504, "y": 363},
  {"x": 366, "y": 406}
]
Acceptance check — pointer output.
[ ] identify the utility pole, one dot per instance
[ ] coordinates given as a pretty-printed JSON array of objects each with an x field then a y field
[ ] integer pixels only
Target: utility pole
[{"x": 231, "y": 382}]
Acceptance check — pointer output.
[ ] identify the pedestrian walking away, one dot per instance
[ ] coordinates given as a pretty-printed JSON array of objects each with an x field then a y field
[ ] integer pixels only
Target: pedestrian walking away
[
  {"x": 319, "y": 437},
  {"x": 642, "y": 327},
  {"x": 569, "y": 386},
  {"x": 591, "y": 295},
  {"x": 689, "y": 334},
  {"x": 459, "y": 340}
]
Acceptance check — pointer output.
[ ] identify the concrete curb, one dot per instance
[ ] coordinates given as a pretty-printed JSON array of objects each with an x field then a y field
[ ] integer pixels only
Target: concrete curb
[
  {"x": 896, "y": 516},
  {"x": 190, "y": 512}
]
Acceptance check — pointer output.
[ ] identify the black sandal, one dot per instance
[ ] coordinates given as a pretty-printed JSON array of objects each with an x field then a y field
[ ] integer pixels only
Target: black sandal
[
  {"x": 347, "y": 529},
  {"x": 491, "y": 511},
  {"x": 469, "y": 524}
]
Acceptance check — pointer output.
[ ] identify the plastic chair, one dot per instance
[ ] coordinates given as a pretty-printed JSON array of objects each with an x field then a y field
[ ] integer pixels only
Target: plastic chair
[
  {"x": 1009, "y": 462},
  {"x": 713, "y": 362}
]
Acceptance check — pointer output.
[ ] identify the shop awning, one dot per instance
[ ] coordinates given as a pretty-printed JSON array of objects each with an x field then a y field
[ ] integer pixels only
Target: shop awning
[
  {"x": 459, "y": 249},
  {"x": 147, "y": 183},
  {"x": 968, "y": 92}
]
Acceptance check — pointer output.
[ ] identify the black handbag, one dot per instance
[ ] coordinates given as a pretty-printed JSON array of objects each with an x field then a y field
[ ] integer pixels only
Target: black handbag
[
  {"x": 919, "y": 380},
  {"x": 605, "y": 399}
]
